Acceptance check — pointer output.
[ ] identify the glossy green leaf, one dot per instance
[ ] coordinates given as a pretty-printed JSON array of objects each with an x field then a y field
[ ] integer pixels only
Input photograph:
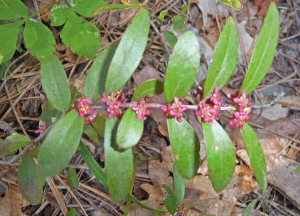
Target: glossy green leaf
[
  {"x": 113, "y": 7},
  {"x": 249, "y": 207},
  {"x": 183, "y": 67},
  {"x": 170, "y": 201},
  {"x": 162, "y": 15},
  {"x": 91, "y": 133},
  {"x": 256, "y": 155},
  {"x": 179, "y": 185},
  {"x": 72, "y": 178},
  {"x": 118, "y": 164},
  {"x": 60, "y": 14},
  {"x": 99, "y": 125},
  {"x": 81, "y": 36},
  {"x": 171, "y": 38},
  {"x": 296, "y": 170},
  {"x": 220, "y": 155},
  {"x": 72, "y": 212},
  {"x": 235, "y": 4},
  {"x": 55, "y": 83},
  {"x": 93, "y": 165},
  {"x": 60, "y": 144},
  {"x": 186, "y": 147},
  {"x": 224, "y": 58},
  {"x": 129, "y": 52},
  {"x": 13, "y": 143},
  {"x": 130, "y": 130},
  {"x": 264, "y": 50},
  {"x": 38, "y": 39},
  {"x": 8, "y": 39},
  {"x": 49, "y": 115},
  {"x": 15, "y": 10},
  {"x": 95, "y": 81},
  {"x": 30, "y": 182},
  {"x": 148, "y": 88},
  {"x": 179, "y": 23},
  {"x": 87, "y": 7}
]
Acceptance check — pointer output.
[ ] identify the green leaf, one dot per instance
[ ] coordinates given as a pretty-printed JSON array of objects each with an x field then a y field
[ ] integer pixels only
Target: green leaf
[
  {"x": 148, "y": 88},
  {"x": 60, "y": 14},
  {"x": 55, "y": 83},
  {"x": 60, "y": 144},
  {"x": 87, "y": 7},
  {"x": 72, "y": 212},
  {"x": 220, "y": 155},
  {"x": 256, "y": 155},
  {"x": 8, "y": 39},
  {"x": 186, "y": 147},
  {"x": 235, "y": 4},
  {"x": 49, "y": 115},
  {"x": 179, "y": 185},
  {"x": 74, "y": 94},
  {"x": 296, "y": 170},
  {"x": 118, "y": 164},
  {"x": 162, "y": 15},
  {"x": 99, "y": 125},
  {"x": 72, "y": 178},
  {"x": 224, "y": 59},
  {"x": 130, "y": 130},
  {"x": 13, "y": 143},
  {"x": 91, "y": 133},
  {"x": 6, "y": 3},
  {"x": 264, "y": 50},
  {"x": 179, "y": 23},
  {"x": 81, "y": 36},
  {"x": 113, "y": 7},
  {"x": 38, "y": 39},
  {"x": 15, "y": 10},
  {"x": 184, "y": 10},
  {"x": 30, "y": 182},
  {"x": 93, "y": 165},
  {"x": 249, "y": 207},
  {"x": 95, "y": 81},
  {"x": 171, "y": 38},
  {"x": 183, "y": 67},
  {"x": 135, "y": 200},
  {"x": 129, "y": 52},
  {"x": 170, "y": 201}
]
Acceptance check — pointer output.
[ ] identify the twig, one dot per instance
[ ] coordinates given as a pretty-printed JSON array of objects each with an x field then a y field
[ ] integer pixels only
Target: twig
[
  {"x": 290, "y": 37},
  {"x": 270, "y": 103}
]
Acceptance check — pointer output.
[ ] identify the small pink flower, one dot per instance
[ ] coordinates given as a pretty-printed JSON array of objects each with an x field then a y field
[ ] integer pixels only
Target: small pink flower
[
  {"x": 113, "y": 103},
  {"x": 141, "y": 111},
  {"x": 175, "y": 109},
  {"x": 90, "y": 119},
  {"x": 242, "y": 101},
  {"x": 240, "y": 118},
  {"x": 41, "y": 129},
  {"x": 181, "y": 211},
  {"x": 216, "y": 98},
  {"x": 207, "y": 113},
  {"x": 83, "y": 106}
]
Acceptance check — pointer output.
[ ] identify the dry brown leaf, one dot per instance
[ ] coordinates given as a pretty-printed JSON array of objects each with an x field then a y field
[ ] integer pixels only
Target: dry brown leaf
[
  {"x": 46, "y": 13},
  {"x": 290, "y": 101},
  {"x": 264, "y": 6},
  {"x": 13, "y": 202}
]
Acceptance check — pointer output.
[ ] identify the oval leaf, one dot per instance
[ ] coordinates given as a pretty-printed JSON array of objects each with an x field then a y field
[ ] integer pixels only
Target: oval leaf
[
  {"x": 224, "y": 59},
  {"x": 129, "y": 52},
  {"x": 30, "y": 183},
  {"x": 171, "y": 38},
  {"x": 38, "y": 39},
  {"x": 55, "y": 83},
  {"x": 256, "y": 155},
  {"x": 148, "y": 88},
  {"x": 249, "y": 207},
  {"x": 264, "y": 50},
  {"x": 186, "y": 147},
  {"x": 87, "y": 7},
  {"x": 72, "y": 178},
  {"x": 183, "y": 67},
  {"x": 130, "y": 130},
  {"x": 14, "y": 9},
  {"x": 179, "y": 185},
  {"x": 91, "y": 133},
  {"x": 235, "y": 4},
  {"x": 8, "y": 42},
  {"x": 96, "y": 78},
  {"x": 49, "y": 115},
  {"x": 170, "y": 201},
  {"x": 13, "y": 143},
  {"x": 60, "y": 144},
  {"x": 99, "y": 125},
  {"x": 220, "y": 155},
  {"x": 118, "y": 164}
]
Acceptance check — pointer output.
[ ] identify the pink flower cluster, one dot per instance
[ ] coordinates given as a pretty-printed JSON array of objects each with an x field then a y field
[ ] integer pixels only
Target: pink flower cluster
[
  {"x": 210, "y": 111},
  {"x": 113, "y": 103},
  {"x": 140, "y": 110},
  {"x": 85, "y": 111},
  {"x": 41, "y": 129},
  {"x": 240, "y": 117},
  {"x": 181, "y": 211},
  {"x": 175, "y": 109}
]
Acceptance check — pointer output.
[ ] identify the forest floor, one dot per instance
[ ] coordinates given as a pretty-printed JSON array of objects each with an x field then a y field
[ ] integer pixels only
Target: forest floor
[{"x": 276, "y": 118}]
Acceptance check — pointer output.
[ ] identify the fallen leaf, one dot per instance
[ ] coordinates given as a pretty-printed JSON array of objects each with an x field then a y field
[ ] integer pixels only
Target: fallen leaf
[
  {"x": 263, "y": 6},
  {"x": 291, "y": 102},
  {"x": 273, "y": 113},
  {"x": 46, "y": 13}
]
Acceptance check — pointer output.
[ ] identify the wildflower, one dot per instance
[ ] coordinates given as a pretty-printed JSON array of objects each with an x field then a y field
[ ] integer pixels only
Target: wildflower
[
  {"x": 181, "y": 211},
  {"x": 207, "y": 113},
  {"x": 240, "y": 118},
  {"x": 175, "y": 109},
  {"x": 141, "y": 111},
  {"x": 41, "y": 129},
  {"x": 242, "y": 101},
  {"x": 113, "y": 103},
  {"x": 90, "y": 119},
  {"x": 83, "y": 106},
  {"x": 216, "y": 98}
]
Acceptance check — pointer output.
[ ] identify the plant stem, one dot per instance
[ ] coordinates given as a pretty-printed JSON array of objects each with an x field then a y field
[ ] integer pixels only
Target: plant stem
[{"x": 45, "y": 8}]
